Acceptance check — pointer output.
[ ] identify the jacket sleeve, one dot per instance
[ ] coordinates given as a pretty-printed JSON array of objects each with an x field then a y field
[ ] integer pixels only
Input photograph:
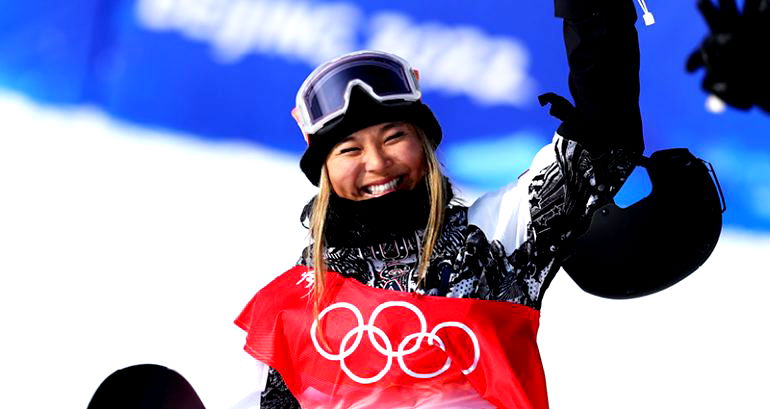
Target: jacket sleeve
[
  {"x": 276, "y": 395},
  {"x": 603, "y": 56},
  {"x": 600, "y": 139},
  {"x": 592, "y": 153}
]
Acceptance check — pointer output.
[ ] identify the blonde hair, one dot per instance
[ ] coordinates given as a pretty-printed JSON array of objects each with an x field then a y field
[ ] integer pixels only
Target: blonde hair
[{"x": 434, "y": 180}]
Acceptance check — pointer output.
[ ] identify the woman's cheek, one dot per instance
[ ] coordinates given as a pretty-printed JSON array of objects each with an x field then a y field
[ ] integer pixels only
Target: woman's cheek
[{"x": 342, "y": 174}]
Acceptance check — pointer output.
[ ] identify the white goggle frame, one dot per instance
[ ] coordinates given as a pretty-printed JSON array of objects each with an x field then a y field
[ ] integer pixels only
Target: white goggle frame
[{"x": 302, "y": 115}]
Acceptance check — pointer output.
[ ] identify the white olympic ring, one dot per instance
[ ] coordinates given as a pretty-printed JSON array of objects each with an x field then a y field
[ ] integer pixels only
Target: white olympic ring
[{"x": 387, "y": 349}]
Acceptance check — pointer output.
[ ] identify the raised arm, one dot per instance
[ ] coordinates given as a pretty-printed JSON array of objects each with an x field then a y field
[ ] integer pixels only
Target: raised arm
[
  {"x": 603, "y": 57},
  {"x": 593, "y": 151},
  {"x": 600, "y": 137}
]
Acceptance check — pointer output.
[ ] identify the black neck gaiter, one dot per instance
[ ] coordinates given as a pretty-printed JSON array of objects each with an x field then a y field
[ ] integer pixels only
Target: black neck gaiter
[{"x": 351, "y": 223}]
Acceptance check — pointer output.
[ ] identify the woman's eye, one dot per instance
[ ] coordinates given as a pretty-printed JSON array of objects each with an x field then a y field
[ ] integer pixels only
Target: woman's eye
[
  {"x": 347, "y": 150},
  {"x": 395, "y": 136}
]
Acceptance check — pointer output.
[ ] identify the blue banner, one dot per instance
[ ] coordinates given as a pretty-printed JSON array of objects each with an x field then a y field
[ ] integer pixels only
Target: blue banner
[{"x": 229, "y": 70}]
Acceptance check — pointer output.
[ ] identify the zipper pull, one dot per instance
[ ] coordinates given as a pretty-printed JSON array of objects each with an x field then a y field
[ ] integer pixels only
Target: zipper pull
[{"x": 649, "y": 19}]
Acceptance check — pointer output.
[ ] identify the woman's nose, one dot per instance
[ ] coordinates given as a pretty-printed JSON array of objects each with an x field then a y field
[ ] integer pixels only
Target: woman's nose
[{"x": 377, "y": 159}]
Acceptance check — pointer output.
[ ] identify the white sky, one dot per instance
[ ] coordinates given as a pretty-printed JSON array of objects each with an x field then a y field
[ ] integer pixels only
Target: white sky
[{"x": 121, "y": 246}]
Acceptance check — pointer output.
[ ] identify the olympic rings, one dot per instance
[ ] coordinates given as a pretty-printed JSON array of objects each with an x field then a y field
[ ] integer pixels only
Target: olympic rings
[
  {"x": 415, "y": 310},
  {"x": 343, "y": 352},
  {"x": 374, "y": 332}
]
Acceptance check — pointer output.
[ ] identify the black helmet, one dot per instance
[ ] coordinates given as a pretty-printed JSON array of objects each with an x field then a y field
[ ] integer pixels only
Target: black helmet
[{"x": 657, "y": 241}]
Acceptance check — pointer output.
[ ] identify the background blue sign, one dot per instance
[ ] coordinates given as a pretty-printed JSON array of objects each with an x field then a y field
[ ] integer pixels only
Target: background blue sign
[{"x": 228, "y": 70}]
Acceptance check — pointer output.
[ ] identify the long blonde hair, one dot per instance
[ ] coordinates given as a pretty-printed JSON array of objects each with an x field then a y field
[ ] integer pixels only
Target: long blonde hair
[{"x": 434, "y": 179}]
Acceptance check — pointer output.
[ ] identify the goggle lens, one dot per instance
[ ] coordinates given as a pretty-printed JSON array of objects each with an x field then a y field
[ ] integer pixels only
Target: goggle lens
[{"x": 326, "y": 95}]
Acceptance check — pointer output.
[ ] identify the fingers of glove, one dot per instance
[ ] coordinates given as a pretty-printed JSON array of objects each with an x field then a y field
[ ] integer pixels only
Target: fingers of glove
[
  {"x": 756, "y": 15},
  {"x": 732, "y": 95},
  {"x": 728, "y": 9},
  {"x": 762, "y": 10},
  {"x": 712, "y": 16},
  {"x": 738, "y": 98},
  {"x": 758, "y": 10},
  {"x": 714, "y": 85},
  {"x": 695, "y": 61},
  {"x": 751, "y": 7}
]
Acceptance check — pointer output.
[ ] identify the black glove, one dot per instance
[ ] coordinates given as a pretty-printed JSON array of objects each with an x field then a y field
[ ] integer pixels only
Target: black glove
[
  {"x": 735, "y": 53},
  {"x": 620, "y": 10},
  {"x": 603, "y": 56}
]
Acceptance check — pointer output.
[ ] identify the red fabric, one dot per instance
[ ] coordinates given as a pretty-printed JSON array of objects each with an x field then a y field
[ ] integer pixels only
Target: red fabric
[{"x": 279, "y": 321}]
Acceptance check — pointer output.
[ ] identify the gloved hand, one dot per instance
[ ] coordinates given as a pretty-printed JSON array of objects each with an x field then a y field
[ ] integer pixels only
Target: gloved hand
[
  {"x": 618, "y": 10},
  {"x": 603, "y": 56},
  {"x": 735, "y": 53}
]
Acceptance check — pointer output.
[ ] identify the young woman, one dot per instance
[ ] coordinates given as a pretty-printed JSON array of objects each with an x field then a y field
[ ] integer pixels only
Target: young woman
[{"x": 459, "y": 329}]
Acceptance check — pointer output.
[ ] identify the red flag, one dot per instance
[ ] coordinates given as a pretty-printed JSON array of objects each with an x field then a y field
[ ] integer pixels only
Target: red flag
[{"x": 374, "y": 348}]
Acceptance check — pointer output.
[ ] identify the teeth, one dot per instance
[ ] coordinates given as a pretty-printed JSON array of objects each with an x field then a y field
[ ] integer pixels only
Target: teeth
[{"x": 377, "y": 189}]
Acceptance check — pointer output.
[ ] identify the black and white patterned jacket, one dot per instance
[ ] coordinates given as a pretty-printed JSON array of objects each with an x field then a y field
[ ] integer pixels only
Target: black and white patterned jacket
[{"x": 507, "y": 246}]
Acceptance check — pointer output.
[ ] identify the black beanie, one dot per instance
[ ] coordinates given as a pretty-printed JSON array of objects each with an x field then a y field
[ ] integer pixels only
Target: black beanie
[{"x": 365, "y": 111}]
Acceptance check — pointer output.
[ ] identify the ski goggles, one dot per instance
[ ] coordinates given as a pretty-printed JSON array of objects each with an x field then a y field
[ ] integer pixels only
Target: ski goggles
[{"x": 325, "y": 94}]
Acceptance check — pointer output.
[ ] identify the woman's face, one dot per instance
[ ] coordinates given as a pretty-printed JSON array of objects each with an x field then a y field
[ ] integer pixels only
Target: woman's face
[{"x": 376, "y": 161}]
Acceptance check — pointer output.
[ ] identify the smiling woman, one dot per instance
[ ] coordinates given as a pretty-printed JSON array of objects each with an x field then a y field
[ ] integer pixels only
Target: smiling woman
[{"x": 384, "y": 219}]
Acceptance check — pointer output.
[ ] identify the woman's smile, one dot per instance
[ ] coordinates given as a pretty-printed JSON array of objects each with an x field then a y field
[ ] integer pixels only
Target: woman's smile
[{"x": 383, "y": 188}]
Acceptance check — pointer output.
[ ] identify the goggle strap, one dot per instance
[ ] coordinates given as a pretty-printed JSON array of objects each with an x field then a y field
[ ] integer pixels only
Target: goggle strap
[{"x": 295, "y": 115}]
